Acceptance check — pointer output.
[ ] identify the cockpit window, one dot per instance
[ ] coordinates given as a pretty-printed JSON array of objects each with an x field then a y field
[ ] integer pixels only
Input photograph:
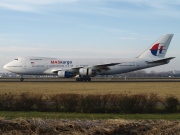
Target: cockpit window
[{"x": 15, "y": 59}]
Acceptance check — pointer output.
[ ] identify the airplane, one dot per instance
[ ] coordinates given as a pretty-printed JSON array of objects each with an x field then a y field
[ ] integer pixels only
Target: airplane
[{"x": 85, "y": 68}]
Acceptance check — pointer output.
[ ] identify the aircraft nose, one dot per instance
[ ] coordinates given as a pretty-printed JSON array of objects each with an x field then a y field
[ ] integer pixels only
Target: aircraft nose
[{"x": 5, "y": 67}]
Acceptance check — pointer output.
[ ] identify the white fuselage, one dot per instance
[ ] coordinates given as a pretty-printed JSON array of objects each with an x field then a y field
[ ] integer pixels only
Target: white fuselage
[
  {"x": 46, "y": 66},
  {"x": 83, "y": 69}
]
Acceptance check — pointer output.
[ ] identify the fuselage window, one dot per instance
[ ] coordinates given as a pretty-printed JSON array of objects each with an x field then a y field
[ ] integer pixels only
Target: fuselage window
[
  {"x": 38, "y": 66},
  {"x": 35, "y": 59}
]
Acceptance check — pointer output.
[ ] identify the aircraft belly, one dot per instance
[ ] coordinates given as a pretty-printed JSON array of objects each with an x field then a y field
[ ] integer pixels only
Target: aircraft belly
[
  {"x": 34, "y": 70},
  {"x": 118, "y": 70},
  {"x": 17, "y": 70}
]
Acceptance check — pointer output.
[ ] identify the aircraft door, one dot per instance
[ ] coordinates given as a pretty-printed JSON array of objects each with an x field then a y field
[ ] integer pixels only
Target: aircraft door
[
  {"x": 23, "y": 63},
  {"x": 46, "y": 66},
  {"x": 136, "y": 65},
  {"x": 24, "y": 66}
]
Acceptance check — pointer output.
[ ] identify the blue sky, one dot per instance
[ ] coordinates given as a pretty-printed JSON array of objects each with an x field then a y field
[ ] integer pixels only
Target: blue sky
[{"x": 87, "y": 28}]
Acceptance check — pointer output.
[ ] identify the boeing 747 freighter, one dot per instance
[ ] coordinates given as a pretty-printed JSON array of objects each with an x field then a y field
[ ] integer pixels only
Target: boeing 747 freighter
[{"x": 85, "y": 68}]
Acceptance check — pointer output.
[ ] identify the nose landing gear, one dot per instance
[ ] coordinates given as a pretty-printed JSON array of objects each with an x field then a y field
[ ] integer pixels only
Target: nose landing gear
[{"x": 21, "y": 79}]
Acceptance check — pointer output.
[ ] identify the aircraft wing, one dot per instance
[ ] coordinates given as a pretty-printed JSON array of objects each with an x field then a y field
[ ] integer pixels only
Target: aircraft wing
[
  {"x": 165, "y": 60},
  {"x": 99, "y": 68},
  {"x": 76, "y": 69}
]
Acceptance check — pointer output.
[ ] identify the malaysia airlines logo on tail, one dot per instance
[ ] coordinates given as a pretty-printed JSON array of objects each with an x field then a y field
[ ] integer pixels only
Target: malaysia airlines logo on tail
[{"x": 156, "y": 49}]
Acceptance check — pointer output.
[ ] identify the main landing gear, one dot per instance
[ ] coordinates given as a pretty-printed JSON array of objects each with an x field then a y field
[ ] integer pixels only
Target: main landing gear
[{"x": 83, "y": 78}]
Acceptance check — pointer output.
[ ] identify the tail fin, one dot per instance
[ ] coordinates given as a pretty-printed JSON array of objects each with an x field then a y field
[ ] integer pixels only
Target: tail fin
[{"x": 159, "y": 48}]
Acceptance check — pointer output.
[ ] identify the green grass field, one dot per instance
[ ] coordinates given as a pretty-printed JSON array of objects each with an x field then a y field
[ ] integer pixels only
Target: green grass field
[{"x": 161, "y": 88}]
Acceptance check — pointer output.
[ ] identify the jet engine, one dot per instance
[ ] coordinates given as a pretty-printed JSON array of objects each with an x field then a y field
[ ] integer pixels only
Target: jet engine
[
  {"x": 65, "y": 74},
  {"x": 85, "y": 71}
]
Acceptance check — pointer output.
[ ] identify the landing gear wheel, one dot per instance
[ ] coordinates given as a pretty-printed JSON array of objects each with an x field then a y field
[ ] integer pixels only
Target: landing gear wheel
[
  {"x": 83, "y": 79},
  {"x": 80, "y": 79},
  {"x": 89, "y": 79}
]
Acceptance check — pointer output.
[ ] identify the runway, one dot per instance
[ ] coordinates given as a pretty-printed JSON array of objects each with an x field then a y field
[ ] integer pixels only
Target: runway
[{"x": 172, "y": 79}]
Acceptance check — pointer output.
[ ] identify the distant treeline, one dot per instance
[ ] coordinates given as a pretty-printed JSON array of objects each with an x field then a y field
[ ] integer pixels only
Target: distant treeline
[
  {"x": 143, "y": 73},
  {"x": 107, "y": 103}
]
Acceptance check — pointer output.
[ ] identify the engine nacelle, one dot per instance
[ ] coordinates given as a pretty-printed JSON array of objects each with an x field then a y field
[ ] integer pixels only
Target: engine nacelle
[
  {"x": 85, "y": 71},
  {"x": 65, "y": 74}
]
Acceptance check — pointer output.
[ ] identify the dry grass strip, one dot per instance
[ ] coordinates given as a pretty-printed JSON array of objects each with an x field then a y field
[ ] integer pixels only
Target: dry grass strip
[{"x": 38, "y": 126}]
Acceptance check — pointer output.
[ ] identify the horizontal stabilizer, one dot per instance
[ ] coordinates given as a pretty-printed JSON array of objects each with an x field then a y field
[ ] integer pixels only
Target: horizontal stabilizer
[{"x": 165, "y": 60}]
